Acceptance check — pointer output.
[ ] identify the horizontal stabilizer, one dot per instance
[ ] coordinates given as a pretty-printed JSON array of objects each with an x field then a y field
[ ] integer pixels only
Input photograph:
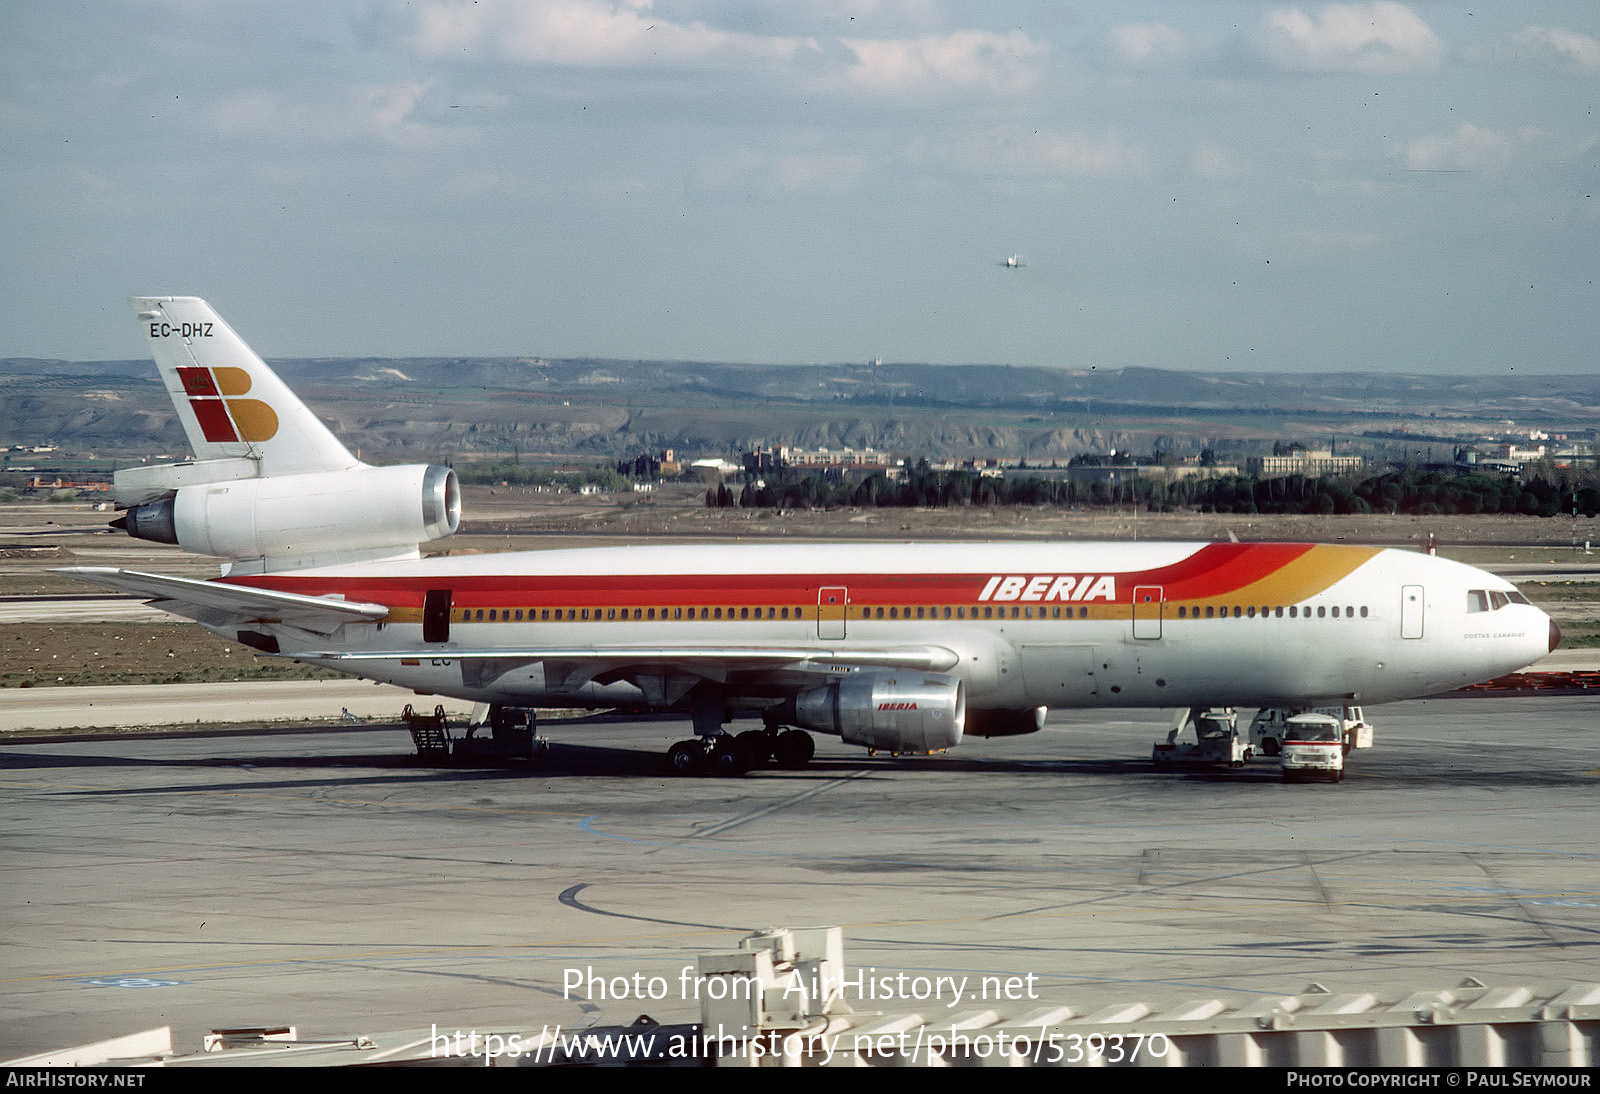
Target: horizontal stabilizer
[{"x": 218, "y": 603}]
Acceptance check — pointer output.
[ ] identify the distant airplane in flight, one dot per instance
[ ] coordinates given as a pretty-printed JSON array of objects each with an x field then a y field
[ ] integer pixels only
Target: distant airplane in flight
[{"x": 1013, "y": 262}]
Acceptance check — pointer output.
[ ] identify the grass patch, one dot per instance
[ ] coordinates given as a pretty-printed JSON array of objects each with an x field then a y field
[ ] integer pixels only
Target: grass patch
[{"x": 99, "y": 654}]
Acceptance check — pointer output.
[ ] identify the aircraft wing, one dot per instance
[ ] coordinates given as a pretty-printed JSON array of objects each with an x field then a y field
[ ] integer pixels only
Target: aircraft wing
[
  {"x": 925, "y": 658},
  {"x": 219, "y": 604},
  {"x": 663, "y": 672}
]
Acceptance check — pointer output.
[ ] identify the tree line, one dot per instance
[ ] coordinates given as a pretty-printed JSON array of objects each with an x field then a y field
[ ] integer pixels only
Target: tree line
[{"x": 1545, "y": 493}]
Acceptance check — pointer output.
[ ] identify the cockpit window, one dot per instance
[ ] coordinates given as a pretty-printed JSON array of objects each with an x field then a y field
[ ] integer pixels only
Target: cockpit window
[{"x": 1491, "y": 600}]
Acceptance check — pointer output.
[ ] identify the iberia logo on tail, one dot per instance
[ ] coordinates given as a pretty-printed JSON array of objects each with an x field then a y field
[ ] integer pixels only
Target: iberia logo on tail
[{"x": 222, "y": 416}]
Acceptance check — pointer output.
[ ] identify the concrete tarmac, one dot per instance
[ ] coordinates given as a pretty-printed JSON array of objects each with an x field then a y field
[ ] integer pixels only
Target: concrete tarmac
[{"x": 328, "y": 880}]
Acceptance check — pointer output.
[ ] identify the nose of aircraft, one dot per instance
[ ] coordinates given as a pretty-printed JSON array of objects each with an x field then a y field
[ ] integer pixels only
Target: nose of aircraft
[{"x": 1555, "y": 636}]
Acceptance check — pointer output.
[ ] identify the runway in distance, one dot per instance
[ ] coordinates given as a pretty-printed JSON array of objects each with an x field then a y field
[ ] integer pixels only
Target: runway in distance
[{"x": 899, "y": 647}]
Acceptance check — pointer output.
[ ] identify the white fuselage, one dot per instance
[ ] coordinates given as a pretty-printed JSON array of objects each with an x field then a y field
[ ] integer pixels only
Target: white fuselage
[{"x": 1021, "y": 625}]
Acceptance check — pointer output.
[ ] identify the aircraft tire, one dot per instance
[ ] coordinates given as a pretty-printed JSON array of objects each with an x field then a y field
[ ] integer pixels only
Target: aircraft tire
[
  {"x": 686, "y": 757},
  {"x": 760, "y": 744},
  {"x": 730, "y": 757},
  {"x": 794, "y": 748}
]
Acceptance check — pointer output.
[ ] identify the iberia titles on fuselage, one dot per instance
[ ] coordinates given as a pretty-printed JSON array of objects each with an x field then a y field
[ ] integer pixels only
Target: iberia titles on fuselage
[{"x": 901, "y": 646}]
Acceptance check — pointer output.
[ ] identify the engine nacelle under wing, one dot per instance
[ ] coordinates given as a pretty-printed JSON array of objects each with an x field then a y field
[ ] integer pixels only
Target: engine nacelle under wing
[
  {"x": 1005, "y": 723},
  {"x": 288, "y": 516},
  {"x": 897, "y": 712}
]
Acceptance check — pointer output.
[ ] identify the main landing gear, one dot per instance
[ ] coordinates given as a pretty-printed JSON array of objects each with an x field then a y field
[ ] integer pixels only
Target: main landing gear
[{"x": 729, "y": 754}]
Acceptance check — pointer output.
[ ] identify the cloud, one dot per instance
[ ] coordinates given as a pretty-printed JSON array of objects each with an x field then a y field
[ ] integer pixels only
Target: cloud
[
  {"x": 1381, "y": 38},
  {"x": 589, "y": 34},
  {"x": 1210, "y": 161},
  {"x": 382, "y": 112},
  {"x": 598, "y": 34},
  {"x": 744, "y": 171},
  {"x": 1469, "y": 148},
  {"x": 1554, "y": 47},
  {"x": 1147, "y": 45},
  {"x": 965, "y": 60},
  {"x": 1010, "y": 150}
]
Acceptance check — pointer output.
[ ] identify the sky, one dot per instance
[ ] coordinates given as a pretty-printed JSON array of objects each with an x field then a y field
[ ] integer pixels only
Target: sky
[{"x": 1211, "y": 185}]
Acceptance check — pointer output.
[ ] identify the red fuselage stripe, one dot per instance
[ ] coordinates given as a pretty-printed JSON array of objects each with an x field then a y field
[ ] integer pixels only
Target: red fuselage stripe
[{"x": 1211, "y": 572}]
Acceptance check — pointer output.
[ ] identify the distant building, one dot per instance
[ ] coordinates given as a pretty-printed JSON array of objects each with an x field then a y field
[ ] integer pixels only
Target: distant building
[
  {"x": 1121, "y": 472},
  {"x": 39, "y": 482},
  {"x": 867, "y": 461},
  {"x": 1312, "y": 464},
  {"x": 645, "y": 466}
]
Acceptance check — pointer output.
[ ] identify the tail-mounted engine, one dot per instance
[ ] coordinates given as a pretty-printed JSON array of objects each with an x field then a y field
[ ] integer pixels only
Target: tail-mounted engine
[
  {"x": 896, "y": 712},
  {"x": 301, "y": 520}
]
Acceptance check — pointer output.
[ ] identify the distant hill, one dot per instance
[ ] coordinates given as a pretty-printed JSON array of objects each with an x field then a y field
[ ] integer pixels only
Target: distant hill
[{"x": 602, "y": 408}]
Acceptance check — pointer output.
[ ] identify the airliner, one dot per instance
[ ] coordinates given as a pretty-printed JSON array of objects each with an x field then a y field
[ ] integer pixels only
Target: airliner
[{"x": 903, "y": 647}]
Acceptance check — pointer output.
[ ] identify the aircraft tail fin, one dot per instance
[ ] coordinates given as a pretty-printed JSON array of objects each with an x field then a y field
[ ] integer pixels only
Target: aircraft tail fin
[{"x": 230, "y": 403}]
